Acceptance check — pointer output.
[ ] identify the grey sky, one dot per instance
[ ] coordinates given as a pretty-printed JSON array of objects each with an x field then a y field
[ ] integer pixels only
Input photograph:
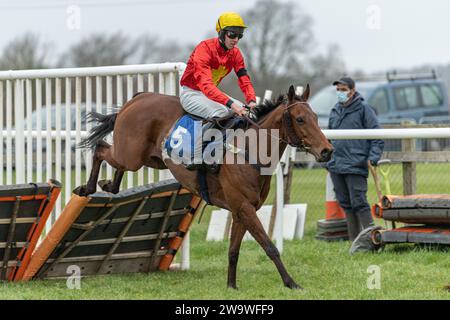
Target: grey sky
[{"x": 412, "y": 32}]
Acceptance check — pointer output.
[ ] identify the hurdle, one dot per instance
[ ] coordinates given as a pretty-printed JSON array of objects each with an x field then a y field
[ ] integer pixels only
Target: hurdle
[
  {"x": 24, "y": 210},
  {"x": 137, "y": 230},
  {"x": 427, "y": 217}
]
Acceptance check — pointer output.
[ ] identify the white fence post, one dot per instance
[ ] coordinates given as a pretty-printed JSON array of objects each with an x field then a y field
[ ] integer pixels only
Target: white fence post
[
  {"x": 268, "y": 95},
  {"x": 140, "y": 88},
  {"x": 58, "y": 153},
  {"x": 29, "y": 153},
  {"x": 48, "y": 141},
  {"x": 88, "y": 154},
  {"x": 38, "y": 130},
  {"x": 68, "y": 151},
  {"x": 19, "y": 129},
  {"x": 78, "y": 92},
  {"x": 8, "y": 132}
]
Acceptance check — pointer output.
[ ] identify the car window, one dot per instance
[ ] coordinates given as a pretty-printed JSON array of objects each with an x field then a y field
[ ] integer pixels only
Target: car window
[
  {"x": 324, "y": 101},
  {"x": 431, "y": 95},
  {"x": 379, "y": 101},
  {"x": 406, "y": 97},
  {"x": 63, "y": 117}
]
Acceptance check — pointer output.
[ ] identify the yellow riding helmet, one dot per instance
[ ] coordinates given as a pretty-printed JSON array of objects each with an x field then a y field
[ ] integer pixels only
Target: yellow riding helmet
[{"x": 229, "y": 19}]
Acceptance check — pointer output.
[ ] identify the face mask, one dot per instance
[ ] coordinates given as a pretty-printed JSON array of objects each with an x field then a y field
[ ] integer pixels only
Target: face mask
[{"x": 342, "y": 96}]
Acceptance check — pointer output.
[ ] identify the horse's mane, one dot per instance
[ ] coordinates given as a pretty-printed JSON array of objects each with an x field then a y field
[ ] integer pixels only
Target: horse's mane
[{"x": 268, "y": 106}]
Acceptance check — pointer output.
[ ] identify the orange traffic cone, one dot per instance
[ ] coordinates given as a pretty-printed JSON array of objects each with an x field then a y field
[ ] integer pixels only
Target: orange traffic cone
[
  {"x": 333, "y": 210},
  {"x": 334, "y": 226}
]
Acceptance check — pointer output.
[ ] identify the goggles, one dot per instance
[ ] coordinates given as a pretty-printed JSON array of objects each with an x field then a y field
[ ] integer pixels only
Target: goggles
[{"x": 234, "y": 35}]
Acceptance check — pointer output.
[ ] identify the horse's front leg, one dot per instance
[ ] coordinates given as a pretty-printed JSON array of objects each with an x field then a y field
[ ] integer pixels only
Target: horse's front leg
[
  {"x": 237, "y": 233},
  {"x": 247, "y": 215}
]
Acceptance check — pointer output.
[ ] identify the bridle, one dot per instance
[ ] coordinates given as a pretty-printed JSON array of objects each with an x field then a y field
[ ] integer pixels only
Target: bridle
[{"x": 292, "y": 138}]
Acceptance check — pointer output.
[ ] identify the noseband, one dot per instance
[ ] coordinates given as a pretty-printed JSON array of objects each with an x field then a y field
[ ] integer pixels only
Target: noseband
[{"x": 292, "y": 138}]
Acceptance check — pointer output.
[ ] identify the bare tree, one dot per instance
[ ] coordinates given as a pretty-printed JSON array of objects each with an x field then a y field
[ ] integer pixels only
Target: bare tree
[
  {"x": 153, "y": 50},
  {"x": 279, "y": 50},
  {"x": 322, "y": 69},
  {"x": 279, "y": 35},
  {"x": 25, "y": 52},
  {"x": 99, "y": 50}
]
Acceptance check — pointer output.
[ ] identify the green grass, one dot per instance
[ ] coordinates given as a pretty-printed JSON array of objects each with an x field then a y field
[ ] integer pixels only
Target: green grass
[{"x": 325, "y": 270}]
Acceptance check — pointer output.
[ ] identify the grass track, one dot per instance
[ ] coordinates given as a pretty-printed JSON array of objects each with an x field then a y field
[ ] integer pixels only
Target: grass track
[{"x": 325, "y": 270}]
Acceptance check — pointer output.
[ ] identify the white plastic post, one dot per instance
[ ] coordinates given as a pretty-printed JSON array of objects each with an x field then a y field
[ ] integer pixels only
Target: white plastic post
[
  {"x": 98, "y": 106},
  {"x": 140, "y": 88},
  {"x": 68, "y": 151},
  {"x": 78, "y": 92},
  {"x": 39, "y": 130},
  {"x": 185, "y": 252},
  {"x": 285, "y": 160},
  {"x": 48, "y": 126},
  {"x": 48, "y": 139},
  {"x": 119, "y": 103},
  {"x": 19, "y": 127},
  {"x": 58, "y": 88},
  {"x": 29, "y": 107},
  {"x": 268, "y": 95},
  {"x": 8, "y": 132},
  {"x": 278, "y": 228},
  {"x": 88, "y": 158}
]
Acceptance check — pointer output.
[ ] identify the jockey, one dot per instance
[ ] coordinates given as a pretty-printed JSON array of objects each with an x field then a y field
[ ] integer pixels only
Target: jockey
[{"x": 209, "y": 63}]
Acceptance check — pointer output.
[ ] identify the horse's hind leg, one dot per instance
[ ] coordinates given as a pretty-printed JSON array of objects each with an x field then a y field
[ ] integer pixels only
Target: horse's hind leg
[
  {"x": 91, "y": 185},
  {"x": 237, "y": 233},
  {"x": 247, "y": 214},
  {"x": 114, "y": 186},
  {"x": 101, "y": 153}
]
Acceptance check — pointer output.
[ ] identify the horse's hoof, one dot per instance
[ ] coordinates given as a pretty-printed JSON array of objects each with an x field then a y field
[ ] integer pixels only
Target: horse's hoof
[
  {"x": 294, "y": 286},
  {"x": 234, "y": 287},
  {"x": 81, "y": 190},
  {"x": 103, "y": 183}
]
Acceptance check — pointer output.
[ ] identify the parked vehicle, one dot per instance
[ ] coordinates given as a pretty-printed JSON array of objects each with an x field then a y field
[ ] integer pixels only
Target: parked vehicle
[
  {"x": 396, "y": 98},
  {"x": 43, "y": 127}
]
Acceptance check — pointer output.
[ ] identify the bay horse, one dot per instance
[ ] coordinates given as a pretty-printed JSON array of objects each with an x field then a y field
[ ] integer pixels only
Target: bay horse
[{"x": 141, "y": 126}]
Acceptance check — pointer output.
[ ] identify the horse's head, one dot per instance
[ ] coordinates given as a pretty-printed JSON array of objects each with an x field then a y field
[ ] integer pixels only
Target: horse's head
[{"x": 301, "y": 126}]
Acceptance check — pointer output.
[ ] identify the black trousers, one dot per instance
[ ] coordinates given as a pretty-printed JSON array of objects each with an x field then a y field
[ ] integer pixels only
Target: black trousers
[{"x": 351, "y": 193}]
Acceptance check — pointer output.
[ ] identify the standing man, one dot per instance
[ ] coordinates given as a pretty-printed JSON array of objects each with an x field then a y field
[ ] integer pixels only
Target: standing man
[
  {"x": 209, "y": 63},
  {"x": 349, "y": 163}
]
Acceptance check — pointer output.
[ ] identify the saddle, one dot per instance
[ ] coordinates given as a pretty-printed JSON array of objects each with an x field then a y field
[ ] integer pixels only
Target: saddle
[
  {"x": 183, "y": 139},
  {"x": 182, "y": 142}
]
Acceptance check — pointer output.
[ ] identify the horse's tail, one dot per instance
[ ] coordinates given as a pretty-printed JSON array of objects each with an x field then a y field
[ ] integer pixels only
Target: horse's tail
[{"x": 99, "y": 132}]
